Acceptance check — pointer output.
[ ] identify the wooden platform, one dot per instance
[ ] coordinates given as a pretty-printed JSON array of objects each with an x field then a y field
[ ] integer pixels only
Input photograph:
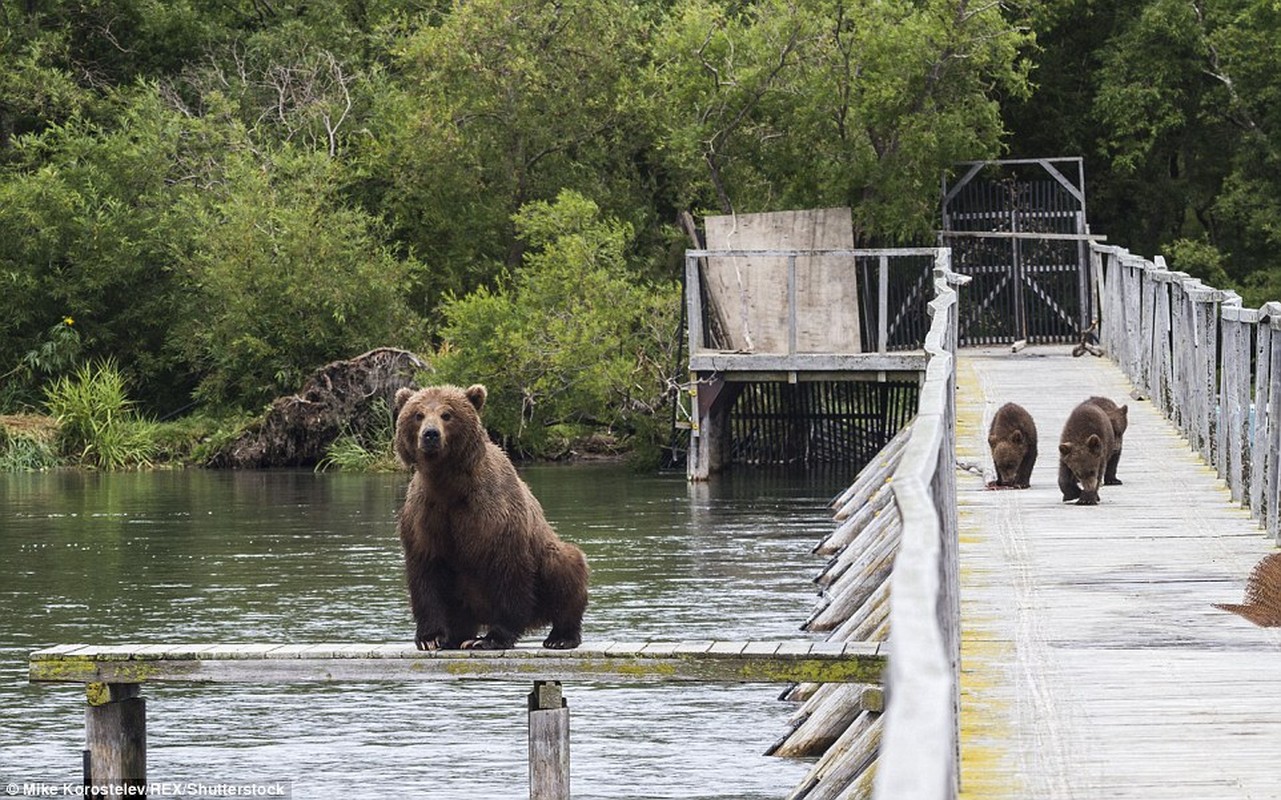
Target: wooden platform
[
  {"x": 716, "y": 662},
  {"x": 1093, "y": 663}
]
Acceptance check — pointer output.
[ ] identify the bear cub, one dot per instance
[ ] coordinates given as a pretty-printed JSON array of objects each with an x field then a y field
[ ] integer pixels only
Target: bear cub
[
  {"x": 1085, "y": 447},
  {"x": 1120, "y": 420},
  {"x": 478, "y": 552},
  {"x": 1012, "y": 439}
]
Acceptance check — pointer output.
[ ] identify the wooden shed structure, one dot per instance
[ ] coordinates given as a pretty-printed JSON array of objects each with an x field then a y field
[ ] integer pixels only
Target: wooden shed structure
[{"x": 802, "y": 348}]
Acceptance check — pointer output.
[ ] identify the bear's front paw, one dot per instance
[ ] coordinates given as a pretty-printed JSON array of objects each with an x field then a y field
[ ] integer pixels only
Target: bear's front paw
[
  {"x": 432, "y": 640},
  {"x": 488, "y": 642},
  {"x": 1112, "y": 482},
  {"x": 558, "y": 643},
  {"x": 1088, "y": 499}
]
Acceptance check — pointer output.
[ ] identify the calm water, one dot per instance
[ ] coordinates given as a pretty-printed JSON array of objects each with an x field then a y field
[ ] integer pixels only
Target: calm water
[{"x": 200, "y": 556}]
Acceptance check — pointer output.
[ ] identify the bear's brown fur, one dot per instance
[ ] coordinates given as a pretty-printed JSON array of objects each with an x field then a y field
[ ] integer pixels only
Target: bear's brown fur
[
  {"x": 1120, "y": 419},
  {"x": 1012, "y": 439},
  {"x": 1084, "y": 449},
  {"x": 478, "y": 551}
]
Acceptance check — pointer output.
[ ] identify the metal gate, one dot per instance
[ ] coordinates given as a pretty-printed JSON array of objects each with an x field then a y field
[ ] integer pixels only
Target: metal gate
[{"x": 1018, "y": 228}]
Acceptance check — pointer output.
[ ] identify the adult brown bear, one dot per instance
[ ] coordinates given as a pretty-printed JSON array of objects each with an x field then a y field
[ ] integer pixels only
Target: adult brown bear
[{"x": 478, "y": 551}]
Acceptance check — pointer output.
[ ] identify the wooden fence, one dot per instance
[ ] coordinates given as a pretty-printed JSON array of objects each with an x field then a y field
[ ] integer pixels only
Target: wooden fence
[
  {"x": 919, "y": 753},
  {"x": 1213, "y": 367}
]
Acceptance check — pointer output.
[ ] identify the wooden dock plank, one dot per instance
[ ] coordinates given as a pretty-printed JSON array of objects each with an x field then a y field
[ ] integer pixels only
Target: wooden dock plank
[
  {"x": 1093, "y": 664},
  {"x": 722, "y": 662}
]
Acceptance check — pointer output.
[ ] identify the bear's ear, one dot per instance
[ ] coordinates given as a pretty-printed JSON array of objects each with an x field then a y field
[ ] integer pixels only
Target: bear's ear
[
  {"x": 1017, "y": 437},
  {"x": 1065, "y": 448},
  {"x": 1094, "y": 443},
  {"x": 476, "y": 394},
  {"x": 1123, "y": 412},
  {"x": 402, "y": 396}
]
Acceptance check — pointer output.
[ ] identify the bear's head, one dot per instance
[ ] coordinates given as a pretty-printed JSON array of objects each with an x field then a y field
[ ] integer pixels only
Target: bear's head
[
  {"x": 1007, "y": 455},
  {"x": 439, "y": 422},
  {"x": 1085, "y": 460}
]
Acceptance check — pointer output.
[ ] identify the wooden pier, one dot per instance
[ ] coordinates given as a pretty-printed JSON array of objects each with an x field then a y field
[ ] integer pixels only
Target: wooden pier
[{"x": 115, "y": 715}]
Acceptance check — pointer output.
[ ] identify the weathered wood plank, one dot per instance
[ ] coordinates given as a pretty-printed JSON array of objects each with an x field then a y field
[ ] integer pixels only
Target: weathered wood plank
[
  {"x": 905, "y": 363},
  {"x": 722, "y": 662}
]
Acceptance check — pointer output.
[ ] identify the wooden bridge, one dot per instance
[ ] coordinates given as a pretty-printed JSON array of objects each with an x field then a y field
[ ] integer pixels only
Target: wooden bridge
[
  {"x": 1091, "y": 660},
  {"x": 1038, "y": 649}
]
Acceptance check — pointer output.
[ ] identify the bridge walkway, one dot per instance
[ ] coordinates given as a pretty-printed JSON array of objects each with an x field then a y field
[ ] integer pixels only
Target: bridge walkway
[{"x": 1094, "y": 664}]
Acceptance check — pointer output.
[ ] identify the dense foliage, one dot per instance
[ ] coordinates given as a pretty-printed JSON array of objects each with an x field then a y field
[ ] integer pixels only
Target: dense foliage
[
  {"x": 1173, "y": 103},
  {"x": 219, "y": 197}
]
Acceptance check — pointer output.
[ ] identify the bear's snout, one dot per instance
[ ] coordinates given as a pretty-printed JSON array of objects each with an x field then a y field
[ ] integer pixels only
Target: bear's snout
[{"x": 429, "y": 439}]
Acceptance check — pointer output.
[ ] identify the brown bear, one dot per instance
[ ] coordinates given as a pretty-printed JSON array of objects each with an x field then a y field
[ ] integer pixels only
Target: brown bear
[
  {"x": 1084, "y": 449},
  {"x": 1012, "y": 439},
  {"x": 1120, "y": 421},
  {"x": 478, "y": 552}
]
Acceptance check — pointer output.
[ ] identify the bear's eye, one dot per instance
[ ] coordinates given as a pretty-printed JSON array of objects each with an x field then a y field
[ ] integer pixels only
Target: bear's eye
[
  {"x": 445, "y": 416},
  {"x": 419, "y": 416}
]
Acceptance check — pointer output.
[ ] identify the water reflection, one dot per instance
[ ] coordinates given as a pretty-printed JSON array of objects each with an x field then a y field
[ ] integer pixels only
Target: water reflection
[{"x": 296, "y": 557}]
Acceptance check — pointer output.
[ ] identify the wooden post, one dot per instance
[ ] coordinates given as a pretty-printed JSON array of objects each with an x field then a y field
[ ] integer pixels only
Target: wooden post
[
  {"x": 712, "y": 441},
  {"x": 115, "y": 736},
  {"x": 548, "y": 742}
]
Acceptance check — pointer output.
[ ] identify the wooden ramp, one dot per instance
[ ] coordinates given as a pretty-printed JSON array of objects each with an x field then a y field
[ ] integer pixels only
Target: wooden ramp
[{"x": 1093, "y": 663}]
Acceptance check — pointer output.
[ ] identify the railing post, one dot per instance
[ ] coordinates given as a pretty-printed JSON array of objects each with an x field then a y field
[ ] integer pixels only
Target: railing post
[
  {"x": 883, "y": 304},
  {"x": 115, "y": 737},
  {"x": 548, "y": 742}
]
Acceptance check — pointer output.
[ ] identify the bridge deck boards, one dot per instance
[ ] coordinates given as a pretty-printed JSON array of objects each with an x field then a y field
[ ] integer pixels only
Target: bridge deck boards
[
  {"x": 721, "y": 662},
  {"x": 1093, "y": 663}
]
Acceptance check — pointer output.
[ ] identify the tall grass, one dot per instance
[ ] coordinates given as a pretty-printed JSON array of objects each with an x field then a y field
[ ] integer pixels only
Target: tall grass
[
  {"x": 371, "y": 451},
  {"x": 96, "y": 423},
  {"x": 25, "y": 453}
]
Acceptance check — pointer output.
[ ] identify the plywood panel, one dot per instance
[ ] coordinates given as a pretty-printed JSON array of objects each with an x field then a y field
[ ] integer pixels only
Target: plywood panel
[{"x": 750, "y": 295}]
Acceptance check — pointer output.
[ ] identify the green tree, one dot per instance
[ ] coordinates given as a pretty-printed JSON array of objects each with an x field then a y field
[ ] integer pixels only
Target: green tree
[
  {"x": 284, "y": 276},
  {"x": 572, "y": 340},
  {"x": 86, "y": 215},
  {"x": 505, "y": 102},
  {"x": 785, "y": 104},
  {"x": 1173, "y": 103}
]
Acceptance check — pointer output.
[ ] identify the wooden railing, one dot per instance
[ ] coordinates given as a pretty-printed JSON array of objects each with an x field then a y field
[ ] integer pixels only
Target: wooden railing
[
  {"x": 1213, "y": 367},
  {"x": 919, "y": 752},
  {"x": 895, "y": 314}
]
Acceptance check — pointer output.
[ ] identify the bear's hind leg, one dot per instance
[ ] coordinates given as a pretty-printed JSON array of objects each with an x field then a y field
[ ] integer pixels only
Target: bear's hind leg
[
  {"x": 1109, "y": 475},
  {"x": 564, "y": 597}
]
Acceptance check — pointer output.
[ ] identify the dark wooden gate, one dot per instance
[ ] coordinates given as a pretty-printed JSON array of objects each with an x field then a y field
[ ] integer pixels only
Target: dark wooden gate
[{"x": 1018, "y": 228}]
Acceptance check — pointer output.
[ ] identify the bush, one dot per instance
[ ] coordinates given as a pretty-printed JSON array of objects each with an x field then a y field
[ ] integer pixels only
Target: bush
[
  {"x": 96, "y": 424},
  {"x": 571, "y": 342},
  {"x": 283, "y": 277}
]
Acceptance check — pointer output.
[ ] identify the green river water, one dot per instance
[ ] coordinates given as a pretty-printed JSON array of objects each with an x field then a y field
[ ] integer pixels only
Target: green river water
[{"x": 291, "y": 556}]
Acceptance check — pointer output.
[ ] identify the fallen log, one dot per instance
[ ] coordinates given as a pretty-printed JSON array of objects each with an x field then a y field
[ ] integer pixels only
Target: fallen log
[{"x": 353, "y": 396}]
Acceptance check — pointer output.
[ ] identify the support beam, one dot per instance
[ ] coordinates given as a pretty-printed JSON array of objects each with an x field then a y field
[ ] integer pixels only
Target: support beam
[
  {"x": 115, "y": 737},
  {"x": 709, "y": 451},
  {"x": 548, "y": 742}
]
